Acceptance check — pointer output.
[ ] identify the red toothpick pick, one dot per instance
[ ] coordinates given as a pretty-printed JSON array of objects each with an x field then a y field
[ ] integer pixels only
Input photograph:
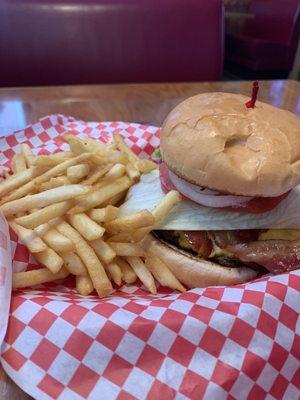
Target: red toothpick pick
[{"x": 251, "y": 103}]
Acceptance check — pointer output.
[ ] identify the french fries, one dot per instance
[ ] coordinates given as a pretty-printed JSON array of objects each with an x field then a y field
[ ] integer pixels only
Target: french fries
[
  {"x": 145, "y": 166},
  {"x": 54, "y": 239},
  {"x": 127, "y": 249},
  {"x": 27, "y": 154},
  {"x": 103, "y": 250},
  {"x": 43, "y": 199},
  {"x": 84, "y": 285},
  {"x": 162, "y": 273},
  {"x": 53, "y": 159},
  {"x": 115, "y": 200},
  {"x": 98, "y": 197},
  {"x": 132, "y": 157},
  {"x": 88, "y": 228},
  {"x": 18, "y": 163},
  {"x": 17, "y": 180},
  {"x": 95, "y": 175},
  {"x": 128, "y": 274},
  {"x": 29, "y": 238},
  {"x": 131, "y": 222},
  {"x": 77, "y": 172},
  {"x": 122, "y": 237},
  {"x": 163, "y": 208},
  {"x": 74, "y": 264},
  {"x": 170, "y": 200},
  {"x": 143, "y": 273},
  {"x": 50, "y": 259},
  {"x": 36, "y": 277},
  {"x": 115, "y": 172},
  {"x": 64, "y": 208},
  {"x": 111, "y": 213},
  {"x": 97, "y": 214},
  {"x": 45, "y": 214},
  {"x": 115, "y": 272},
  {"x": 96, "y": 271},
  {"x": 53, "y": 183},
  {"x": 132, "y": 172},
  {"x": 51, "y": 173}
]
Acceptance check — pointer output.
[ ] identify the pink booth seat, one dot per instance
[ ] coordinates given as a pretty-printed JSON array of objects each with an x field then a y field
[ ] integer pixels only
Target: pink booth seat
[
  {"x": 47, "y": 42},
  {"x": 269, "y": 41}
]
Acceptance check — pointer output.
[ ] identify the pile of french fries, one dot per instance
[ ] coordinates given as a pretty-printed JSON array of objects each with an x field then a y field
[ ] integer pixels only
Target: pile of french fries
[{"x": 64, "y": 208}]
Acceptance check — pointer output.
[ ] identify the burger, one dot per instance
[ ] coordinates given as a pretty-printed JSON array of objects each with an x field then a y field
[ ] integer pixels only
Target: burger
[{"x": 220, "y": 153}]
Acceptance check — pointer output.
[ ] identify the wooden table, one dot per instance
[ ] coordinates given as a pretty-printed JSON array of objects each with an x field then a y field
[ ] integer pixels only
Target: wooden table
[{"x": 148, "y": 103}]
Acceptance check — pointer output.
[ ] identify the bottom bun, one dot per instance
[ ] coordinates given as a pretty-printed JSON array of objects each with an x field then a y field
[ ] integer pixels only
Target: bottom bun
[{"x": 193, "y": 271}]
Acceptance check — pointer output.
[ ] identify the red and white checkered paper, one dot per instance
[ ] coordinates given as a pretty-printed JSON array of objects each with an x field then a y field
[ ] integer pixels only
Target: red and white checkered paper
[{"x": 239, "y": 342}]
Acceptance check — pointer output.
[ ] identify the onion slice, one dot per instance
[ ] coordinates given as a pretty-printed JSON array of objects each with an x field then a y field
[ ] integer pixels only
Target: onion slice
[{"x": 206, "y": 197}]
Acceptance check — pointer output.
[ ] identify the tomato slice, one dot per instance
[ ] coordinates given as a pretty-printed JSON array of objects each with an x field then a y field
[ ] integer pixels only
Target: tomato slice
[
  {"x": 260, "y": 204},
  {"x": 256, "y": 205}
]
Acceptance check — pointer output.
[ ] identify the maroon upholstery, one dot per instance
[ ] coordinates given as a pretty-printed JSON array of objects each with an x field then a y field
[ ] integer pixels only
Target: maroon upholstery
[
  {"x": 45, "y": 42},
  {"x": 269, "y": 42}
]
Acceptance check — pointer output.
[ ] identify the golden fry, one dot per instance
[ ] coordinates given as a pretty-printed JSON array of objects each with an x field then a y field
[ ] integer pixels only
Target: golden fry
[
  {"x": 134, "y": 221},
  {"x": 53, "y": 183},
  {"x": 132, "y": 157},
  {"x": 73, "y": 264},
  {"x": 43, "y": 199},
  {"x": 18, "y": 163},
  {"x": 84, "y": 285},
  {"x": 98, "y": 197},
  {"x": 111, "y": 213},
  {"x": 96, "y": 174},
  {"x": 54, "y": 239},
  {"x": 27, "y": 154},
  {"x": 97, "y": 214},
  {"x": 77, "y": 172},
  {"x": 123, "y": 237},
  {"x": 79, "y": 145},
  {"x": 29, "y": 238},
  {"x": 128, "y": 274},
  {"x": 87, "y": 254},
  {"x": 44, "y": 215},
  {"x": 50, "y": 259},
  {"x": 143, "y": 273},
  {"x": 53, "y": 159},
  {"x": 51, "y": 173},
  {"x": 162, "y": 273},
  {"x": 132, "y": 172},
  {"x": 88, "y": 228},
  {"x": 114, "y": 272},
  {"x": 115, "y": 200},
  {"x": 170, "y": 200},
  {"x": 36, "y": 277},
  {"x": 127, "y": 249},
  {"x": 163, "y": 208},
  {"x": 145, "y": 166},
  {"x": 17, "y": 180},
  {"x": 103, "y": 250},
  {"x": 115, "y": 172}
]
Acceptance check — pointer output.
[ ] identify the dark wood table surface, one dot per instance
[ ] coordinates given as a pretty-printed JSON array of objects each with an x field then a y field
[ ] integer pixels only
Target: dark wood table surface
[{"x": 148, "y": 103}]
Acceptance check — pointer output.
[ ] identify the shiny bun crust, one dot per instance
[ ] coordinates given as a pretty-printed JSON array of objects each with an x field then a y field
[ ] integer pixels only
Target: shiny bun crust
[
  {"x": 214, "y": 140},
  {"x": 193, "y": 271}
]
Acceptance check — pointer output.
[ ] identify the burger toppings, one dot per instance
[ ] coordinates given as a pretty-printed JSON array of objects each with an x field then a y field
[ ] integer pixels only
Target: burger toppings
[
  {"x": 233, "y": 248},
  {"x": 212, "y": 198},
  {"x": 275, "y": 255}
]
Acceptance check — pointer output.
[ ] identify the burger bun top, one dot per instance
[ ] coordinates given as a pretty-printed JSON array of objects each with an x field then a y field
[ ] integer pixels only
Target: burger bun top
[{"x": 213, "y": 140}]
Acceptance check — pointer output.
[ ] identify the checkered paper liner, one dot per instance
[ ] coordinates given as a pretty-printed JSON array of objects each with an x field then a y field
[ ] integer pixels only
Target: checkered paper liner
[{"x": 239, "y": 342}]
